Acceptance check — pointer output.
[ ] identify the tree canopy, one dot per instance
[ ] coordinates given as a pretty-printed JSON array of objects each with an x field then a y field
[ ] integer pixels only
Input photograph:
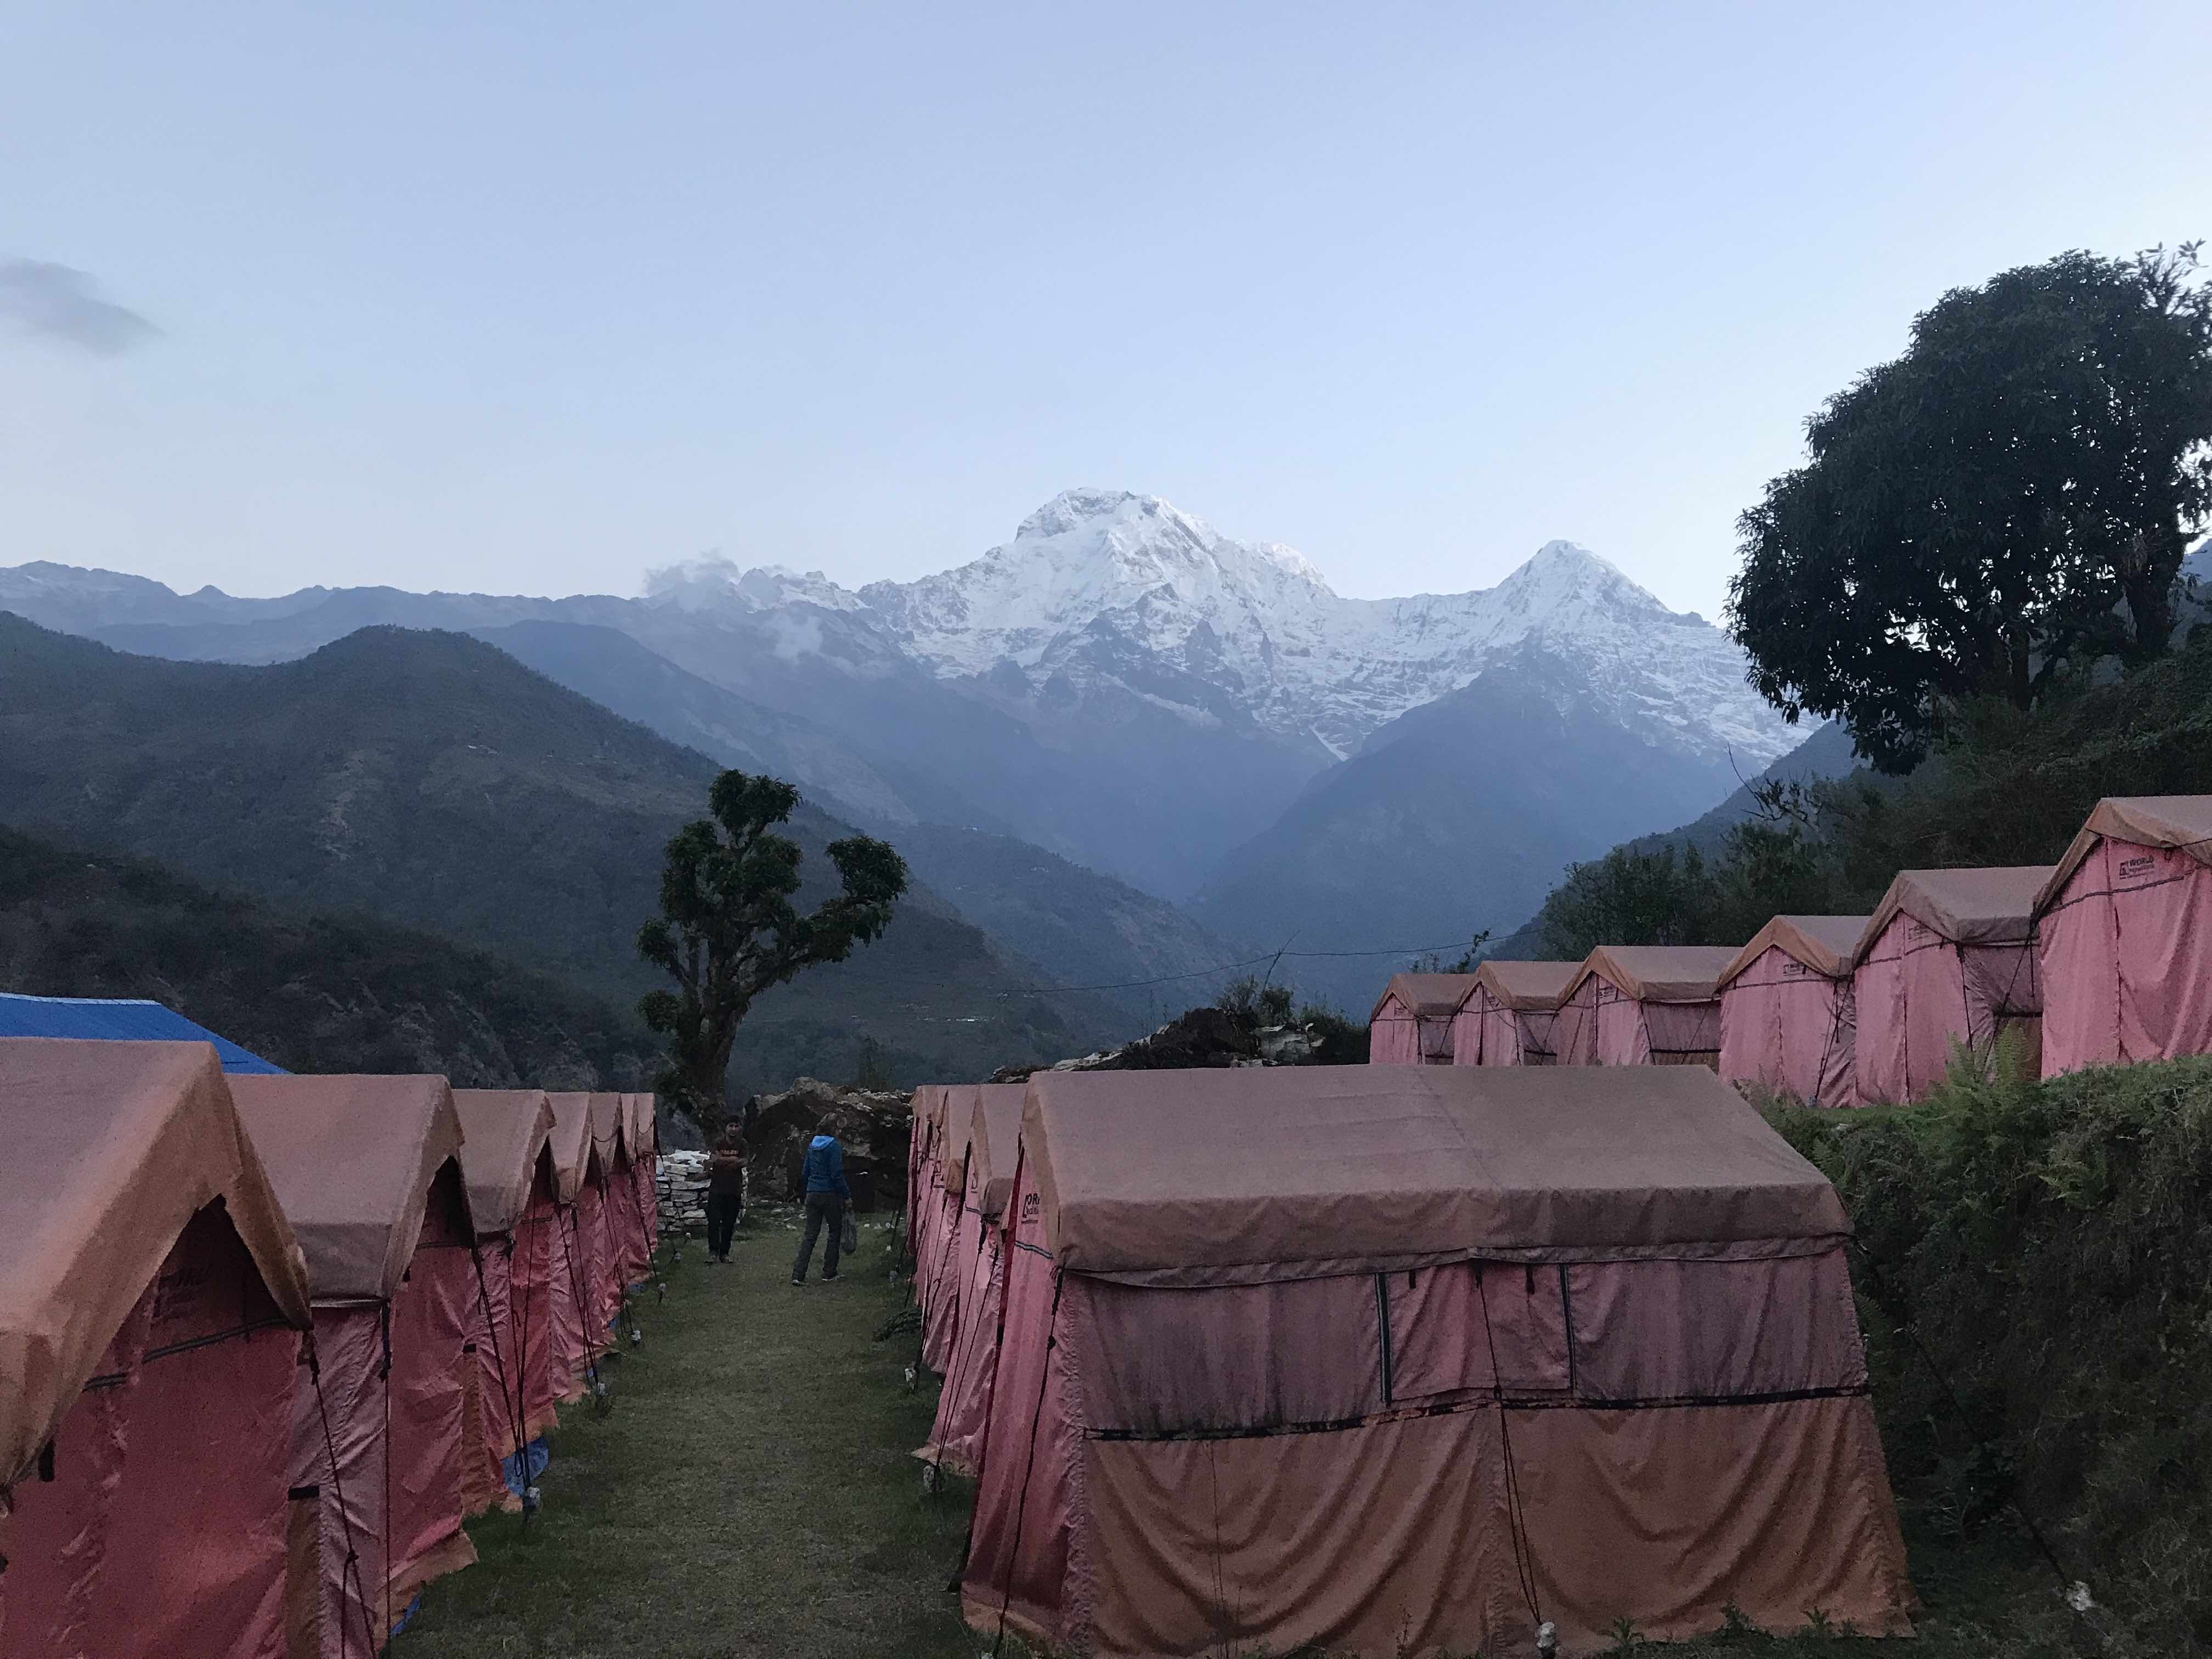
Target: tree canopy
[
  {"x": 2012, "y": 496},
  {"x": 728, "y": 929}
]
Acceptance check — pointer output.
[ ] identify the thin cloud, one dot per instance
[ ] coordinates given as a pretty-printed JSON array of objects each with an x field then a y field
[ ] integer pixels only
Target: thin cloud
[{"x": 59, "y": 302}]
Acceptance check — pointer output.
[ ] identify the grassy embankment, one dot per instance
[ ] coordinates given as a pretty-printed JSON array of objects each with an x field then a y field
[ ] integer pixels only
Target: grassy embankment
[{"x": 2045, "y": 1248}]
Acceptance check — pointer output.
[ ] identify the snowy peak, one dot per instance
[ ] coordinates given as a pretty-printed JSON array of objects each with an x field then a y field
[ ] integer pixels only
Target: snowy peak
[
  {"x": 1109, "y": 598},
  {"x": 711, "y": 582}
]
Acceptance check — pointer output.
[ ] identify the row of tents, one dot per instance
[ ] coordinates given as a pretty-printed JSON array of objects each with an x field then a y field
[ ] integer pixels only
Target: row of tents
[
  {"x": 267, "y": 1342},
  {"x": 2101, "y": 958},
  {"x": 1393, "y": 1360}
]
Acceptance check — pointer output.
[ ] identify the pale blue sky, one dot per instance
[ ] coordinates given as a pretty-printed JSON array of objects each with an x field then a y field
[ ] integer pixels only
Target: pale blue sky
[{"x": 532, "y": 297}]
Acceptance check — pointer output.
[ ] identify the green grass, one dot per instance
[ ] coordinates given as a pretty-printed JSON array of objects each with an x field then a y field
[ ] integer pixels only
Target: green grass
[{"x": 751, "y": 1493}]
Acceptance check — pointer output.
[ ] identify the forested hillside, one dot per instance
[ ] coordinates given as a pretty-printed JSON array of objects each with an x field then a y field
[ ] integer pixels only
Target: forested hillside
[
  {"x": 313, "y": 992},
  {"x": 2004, "y": 785},
  {"x": 434, "y": 781}
]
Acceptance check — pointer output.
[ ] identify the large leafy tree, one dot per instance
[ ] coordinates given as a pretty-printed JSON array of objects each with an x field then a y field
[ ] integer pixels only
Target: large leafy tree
[
  {"x": 728, "y": 929},
  {"x": 2012, "y": 495}
]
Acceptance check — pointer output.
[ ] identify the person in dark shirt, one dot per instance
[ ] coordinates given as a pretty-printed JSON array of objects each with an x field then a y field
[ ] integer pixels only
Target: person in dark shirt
[
  {"x": 725, "y": 1192},
  {"x": 827, "y": 1194}
]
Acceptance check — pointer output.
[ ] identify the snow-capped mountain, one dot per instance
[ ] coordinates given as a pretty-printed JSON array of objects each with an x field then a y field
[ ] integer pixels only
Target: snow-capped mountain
[
  {"x": 1105, "y": 590},
  {"x": 1119, "y": 684}
]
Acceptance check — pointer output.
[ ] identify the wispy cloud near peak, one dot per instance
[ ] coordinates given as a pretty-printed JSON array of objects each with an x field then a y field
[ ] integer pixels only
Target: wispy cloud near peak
[{"x": 61, "y": 303}]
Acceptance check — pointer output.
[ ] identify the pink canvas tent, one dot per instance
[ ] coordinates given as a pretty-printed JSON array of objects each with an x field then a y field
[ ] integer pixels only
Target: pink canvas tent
[
  {"x": 2123, "y": 935},
  {"x": 1949, "y": 961},
  {"x": 1388, "y": 1359},
  {"x": 367, "y": 1169},
  {"x": 1789, "y": 1020},
  {"x": 1644, "y": 1004},
  {"x": 603, "y": 1218},
  {"x": 1508, "y": 1017},
  {"x": 575, "y": 1349},
  {"x": 925, "y": 1198},
  {"x": 153, "y": 1302},
  {"x": 941, "y": 1308},
  {"x": 642, "y": 1230},
  {"x": 508, "y": 1165},
  {"x": 1412, "y": 1025},
  {"x": 956, "y": 1440}
]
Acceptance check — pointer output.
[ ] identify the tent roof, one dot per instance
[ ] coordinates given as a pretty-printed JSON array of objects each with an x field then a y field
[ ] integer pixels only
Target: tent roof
[
  {"x": 2180, "y": 821},
  {"x": 352, "y": 1159},
  {"x": 929, "y": 1106},
  {"x": 505, "y": 1131},
  {"x": 1658, "y": 972},
  {"x": 610, "y": 1127},
  {"x": 959, "y": 1122},
  {"x": 996, "y": 1138},
  {"x": 112, "y": 1018},
  {"x": 644, "y": 1125},
  {"x": 572, "y": 1142},
  {"x": 1969, "y": 907},
  {"x": 113, "y": 1147},
  {"x": 1829, "y": 946},
  {"x": 1528, "y": 985},
  {"x": 1431, "y": 996},
  {"x": 1338, "y": 1166}
]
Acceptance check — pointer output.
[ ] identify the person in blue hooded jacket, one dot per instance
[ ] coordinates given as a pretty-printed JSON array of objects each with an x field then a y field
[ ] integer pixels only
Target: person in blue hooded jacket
[{"x": 827, "y": 1196}]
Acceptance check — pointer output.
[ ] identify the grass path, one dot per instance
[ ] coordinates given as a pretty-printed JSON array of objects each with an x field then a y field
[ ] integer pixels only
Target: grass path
[{"x": 749, "y": 1494}]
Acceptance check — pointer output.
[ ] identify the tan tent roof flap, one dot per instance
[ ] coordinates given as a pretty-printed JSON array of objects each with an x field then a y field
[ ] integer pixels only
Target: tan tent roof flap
[
  {"x": 2181, "y": 822},
  {"x": 1829, "y": 946},
  {"x": 995, "y": 1140},
  {"x": 1428, "y": 996},
  {"x": 112, "y": 1148},
  {"x": 572, "y": 1143},
  {"x": 929, "y": 1108},
  {"x": 1533, "y": 987},
  {"x": 1658, "y": 972},
  {"x": 352, "y": 1159},
  {"x": 1352, "y": 1168},
  {"x": 959, "y": 1122},
  {"x": 610, "y": 1127},
  {"x": 644, "y": 1125},
  {"x": 1990, "y": 906},
  {"x": 504, "y": 1131}
]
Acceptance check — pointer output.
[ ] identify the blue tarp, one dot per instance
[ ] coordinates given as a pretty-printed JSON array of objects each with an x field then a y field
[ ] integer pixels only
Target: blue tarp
[{"x": 115, "y": 1019}]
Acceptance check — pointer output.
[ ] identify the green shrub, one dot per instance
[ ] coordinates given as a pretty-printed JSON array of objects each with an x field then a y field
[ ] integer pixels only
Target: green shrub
[{"x": 2047, "y": 1247}]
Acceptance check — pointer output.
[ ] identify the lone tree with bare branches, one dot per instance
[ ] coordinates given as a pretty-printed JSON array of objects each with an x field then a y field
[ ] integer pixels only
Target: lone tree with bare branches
[{"x": 728, "y": 930}]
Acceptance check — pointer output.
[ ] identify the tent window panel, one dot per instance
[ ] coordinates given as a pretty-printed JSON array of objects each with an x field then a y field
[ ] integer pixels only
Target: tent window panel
[
  {"x": 1708, "y": 1330},
  {"x": 1684, "y": 1027},
  {"x": 1161, "y": 1361},
  {"x": 1445, "y": 1321}
]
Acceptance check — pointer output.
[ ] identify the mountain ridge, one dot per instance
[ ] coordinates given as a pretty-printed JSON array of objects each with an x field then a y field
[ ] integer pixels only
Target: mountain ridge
[
  {"x": 431, "y": 779},
  {"x": 1119, "y": 684}
]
